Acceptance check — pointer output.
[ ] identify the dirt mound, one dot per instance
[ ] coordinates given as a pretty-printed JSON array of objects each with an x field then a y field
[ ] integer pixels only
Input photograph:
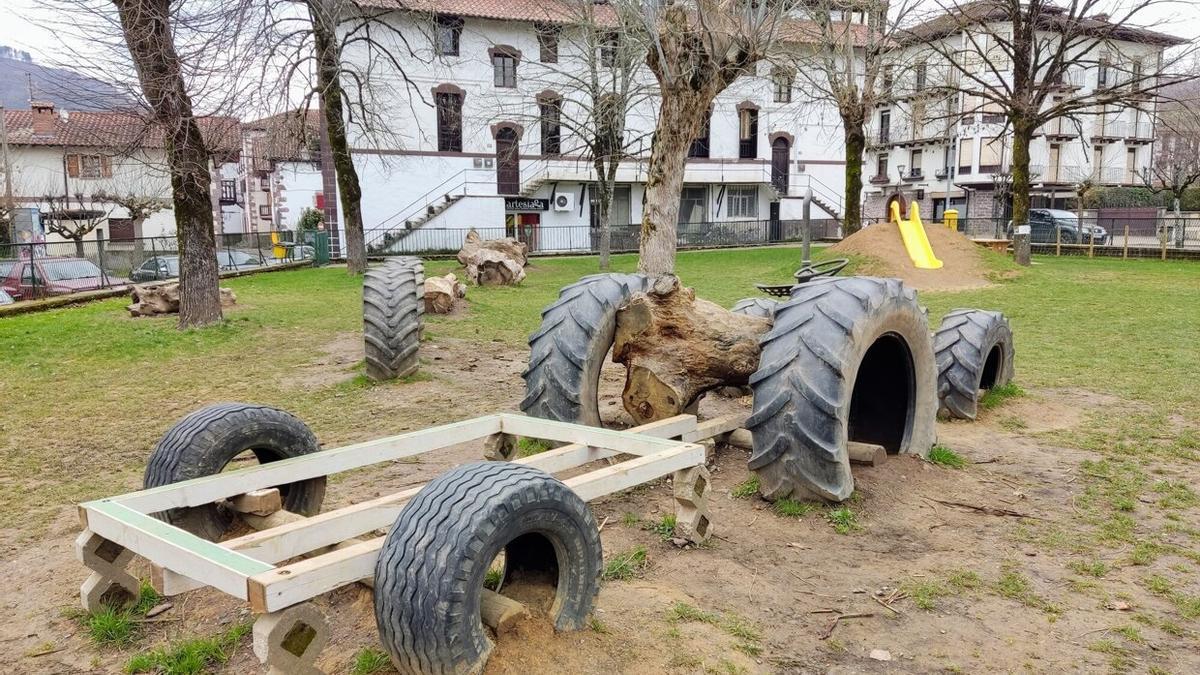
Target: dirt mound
[{"x": 962, "y": 260}]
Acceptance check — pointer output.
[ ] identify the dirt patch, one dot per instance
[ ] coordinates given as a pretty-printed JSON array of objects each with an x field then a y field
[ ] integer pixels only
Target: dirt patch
[
  {"x": 335, "y": 363},
  {"x": 962, "y": 263}
]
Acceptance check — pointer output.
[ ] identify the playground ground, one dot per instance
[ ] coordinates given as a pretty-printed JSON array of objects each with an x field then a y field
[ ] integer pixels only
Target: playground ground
[{"x": 1099, "y": 453}]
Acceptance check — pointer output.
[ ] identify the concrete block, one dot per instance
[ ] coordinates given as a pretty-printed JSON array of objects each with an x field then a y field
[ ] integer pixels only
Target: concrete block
[{"x": 289, "y": 641}]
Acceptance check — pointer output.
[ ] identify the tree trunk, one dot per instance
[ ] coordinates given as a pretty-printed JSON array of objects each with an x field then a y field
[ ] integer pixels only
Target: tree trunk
[
  {"x": 79, "y": 252},
  {"x": 1022, "y": 136},
  {"x": 328, "y": 57},
  {"x": 680, "y": 115},
  {"x": 147, "y": 28},
  {"x": 604, "y": 212},
  {"x": 856, "y": 144},
  {"x": 676, "y": 347}
]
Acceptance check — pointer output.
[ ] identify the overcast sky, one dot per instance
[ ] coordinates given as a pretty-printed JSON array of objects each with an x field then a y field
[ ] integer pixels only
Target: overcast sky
[{"x": 21, "y": 24}]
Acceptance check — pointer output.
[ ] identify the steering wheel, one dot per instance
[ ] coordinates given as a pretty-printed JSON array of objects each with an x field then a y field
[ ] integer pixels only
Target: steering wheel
[{"x": 825, "y": 268}]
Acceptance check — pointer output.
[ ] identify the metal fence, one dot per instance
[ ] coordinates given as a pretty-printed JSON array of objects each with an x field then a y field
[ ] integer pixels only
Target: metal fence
[
  {"x": 583, "y": 239},
  {"x": 1108, "y": 236},
  {"x": 30, "y": 271}
]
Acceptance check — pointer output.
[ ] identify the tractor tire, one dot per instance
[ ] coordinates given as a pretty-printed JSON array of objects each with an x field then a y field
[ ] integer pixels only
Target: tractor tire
[
  {"x": 974, "y": 350},
  {"x": 204, "y": 442},
  {"x": 760, "y": 307},
  {"x": 418, "y": 267},
  {"x": 568, "y": 351},
  {"x": 392, "y": 320},
  {"x": 430, "y": 572},
  {"x": 848, "y": 359}
]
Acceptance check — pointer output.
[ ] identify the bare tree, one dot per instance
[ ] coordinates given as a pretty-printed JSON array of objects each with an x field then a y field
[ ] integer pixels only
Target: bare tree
[
  {"x": 1023, "y": 59},
  {"x": 1176, "y": 166},
  {"x": 842, "y": 62},
  {"x": 593, "y": 73},
  {"x": 321, "y": 41},
  {"x": 696, "y": 51},
  {"x": 73, "y": 216}
]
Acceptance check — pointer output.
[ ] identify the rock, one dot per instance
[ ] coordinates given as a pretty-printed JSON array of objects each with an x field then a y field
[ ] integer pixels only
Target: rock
[
  {"x": 162, "y": 297},
  {"x": 881, "y": 655},
  {"x": 493, "y": 262}
]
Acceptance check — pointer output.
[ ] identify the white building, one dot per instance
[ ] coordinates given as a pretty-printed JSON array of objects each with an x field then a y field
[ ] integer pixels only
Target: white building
[
  {"x": 65, "y": 158},
  {"x": 472, "y": 150},
  {"x": 281, "y": 170},
  {"x": 933, "y": 147}
]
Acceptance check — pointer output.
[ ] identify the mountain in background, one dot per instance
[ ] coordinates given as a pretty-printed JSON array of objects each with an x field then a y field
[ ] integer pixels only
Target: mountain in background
[{"x": 67, "y": 89}]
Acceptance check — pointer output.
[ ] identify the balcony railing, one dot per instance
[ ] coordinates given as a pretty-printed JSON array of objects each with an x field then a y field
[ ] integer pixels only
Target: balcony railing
[{"x": 1110, "y": 129}]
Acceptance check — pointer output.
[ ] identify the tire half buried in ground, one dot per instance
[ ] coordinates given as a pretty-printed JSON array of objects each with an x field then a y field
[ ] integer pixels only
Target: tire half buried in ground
[
  {"x": 430, "y": 573},
  {"x": 848, "y": 359},
  {"x": 974, "y": 350},
  {"x": 204, "y": 442},
  {"x": 569, "y": 349},
  {"x": 392, "y": 309}
]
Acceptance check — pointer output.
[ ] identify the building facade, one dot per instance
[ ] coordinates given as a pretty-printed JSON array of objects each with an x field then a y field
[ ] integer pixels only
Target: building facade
[
  {"x": 942, "y": 149},
  {"x": 473, "y": 143}
]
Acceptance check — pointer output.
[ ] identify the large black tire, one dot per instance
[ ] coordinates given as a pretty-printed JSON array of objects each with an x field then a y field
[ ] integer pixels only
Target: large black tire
[
  {"x": 430, "y": 573},
  {"x": 847, "y": 359},
  {"x": 760, "y": 307},
  {"x": 205, "y": 441},
  {"x": 392, "y": 312},
  {"x": 568, "y": 351},
  {"x": 974, "y": 349},
  {"x": 418, "y": 267}
]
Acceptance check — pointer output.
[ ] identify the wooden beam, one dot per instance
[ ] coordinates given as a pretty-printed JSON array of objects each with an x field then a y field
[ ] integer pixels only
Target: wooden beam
[
  {"x": 208, "y": 489},
  {"x": 716, "y": 427},
  {"x": 610, "y": 479},
  {"x": 866, "y": 453},
  {"x": 629, "y": 442},
  {"x": 259, "y": 502}
]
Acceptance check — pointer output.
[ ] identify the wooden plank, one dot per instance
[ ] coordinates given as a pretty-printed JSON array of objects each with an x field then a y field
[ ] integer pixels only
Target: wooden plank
[
  {"x": 290, "y": 584},
  {"x": 716, "y": 427},
  {"x": 869, "y": 454},
  {"x": 259, "y": 502},
  {"x": 209, "y": 489},
  {"x": 609, "y": 439},
  {"x": 173, "y": 548},
  {"x": 571, "y": 456}
]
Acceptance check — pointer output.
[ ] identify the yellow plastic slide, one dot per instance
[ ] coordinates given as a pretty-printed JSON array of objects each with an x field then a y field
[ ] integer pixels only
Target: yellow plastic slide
[{"x": 915, "y": 239}]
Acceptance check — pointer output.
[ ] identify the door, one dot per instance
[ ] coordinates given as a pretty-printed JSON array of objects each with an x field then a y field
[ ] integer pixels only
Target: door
[
  {"x": 780, "y": 159},
  {"x": 774, "y": 233},
  {"x": 508, "y": 162},
  {"x": 527, "y": 229}
]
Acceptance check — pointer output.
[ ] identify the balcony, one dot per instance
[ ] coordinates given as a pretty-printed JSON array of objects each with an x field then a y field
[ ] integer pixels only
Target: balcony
[
  {"x": 228, "y": 192},
  {"x": 1109, "y": 131},
  {"x": 878, "y": 180},
  {"x": 1059, "y": 130},
  {"x": 1140, "y": 133},
  {"x": 914, "y": 175},
  {"x": 1068, "y": 81}
]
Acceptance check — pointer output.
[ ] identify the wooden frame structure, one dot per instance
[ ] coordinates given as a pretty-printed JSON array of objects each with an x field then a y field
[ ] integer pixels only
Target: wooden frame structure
[{"x": 341, "y": 544}]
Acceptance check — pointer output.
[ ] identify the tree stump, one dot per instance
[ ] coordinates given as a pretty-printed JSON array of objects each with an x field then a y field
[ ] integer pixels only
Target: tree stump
[
  {"x": 441, "y": 292},
  {"x": 162, "y": 297},
  {"x": 676, "y": 347},
  {"x": 493, "y": 262}
]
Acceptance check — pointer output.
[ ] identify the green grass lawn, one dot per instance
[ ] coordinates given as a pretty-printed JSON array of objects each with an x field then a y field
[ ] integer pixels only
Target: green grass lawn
[{"x": 83, "y": 388}]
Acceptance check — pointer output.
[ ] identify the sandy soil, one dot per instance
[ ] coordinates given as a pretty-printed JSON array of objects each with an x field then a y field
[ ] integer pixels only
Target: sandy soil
[
  {"x": 962, "y": 267},
  {"x": 785, "y": 578}
]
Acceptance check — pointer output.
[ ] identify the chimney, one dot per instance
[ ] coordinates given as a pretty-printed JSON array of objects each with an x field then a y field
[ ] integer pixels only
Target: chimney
[{"x": 43, "y": 118}]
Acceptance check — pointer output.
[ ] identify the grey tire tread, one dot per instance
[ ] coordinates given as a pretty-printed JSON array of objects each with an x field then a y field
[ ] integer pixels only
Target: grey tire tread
[
  {"x": 760, "y": 307},
  {"x": 962, "y": 344},
  {"x": 392, "y": 317}
]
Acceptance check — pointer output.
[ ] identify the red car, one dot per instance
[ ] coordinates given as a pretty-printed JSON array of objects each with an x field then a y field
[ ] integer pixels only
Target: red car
[{"x": 42, "y": 277}]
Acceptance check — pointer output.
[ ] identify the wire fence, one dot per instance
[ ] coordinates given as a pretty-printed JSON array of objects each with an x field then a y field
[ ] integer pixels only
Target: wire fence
[
  {"x": 1164, "y": 236},
  {"x": 31, "y": 271},
  {"x": 585, "y": 239}
]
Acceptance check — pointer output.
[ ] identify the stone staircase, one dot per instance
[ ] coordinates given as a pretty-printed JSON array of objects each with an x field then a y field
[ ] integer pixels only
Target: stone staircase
[{"x": 826, "y": 207}]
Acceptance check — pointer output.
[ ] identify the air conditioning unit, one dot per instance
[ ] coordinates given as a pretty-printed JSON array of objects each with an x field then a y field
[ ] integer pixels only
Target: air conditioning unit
[{"x": 564, "y": 201}]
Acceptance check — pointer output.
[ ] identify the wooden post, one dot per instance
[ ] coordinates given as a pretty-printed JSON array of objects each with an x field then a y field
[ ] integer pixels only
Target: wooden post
[
  {"x": 1125, "y": 250},
  {"x": 1057, "y": 241},
  {"x": 1162, "y": 238}
]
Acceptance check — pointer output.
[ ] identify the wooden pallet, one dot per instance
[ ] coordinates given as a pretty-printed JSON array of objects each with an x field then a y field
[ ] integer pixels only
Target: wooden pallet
[{"x": 255, "y": 567}]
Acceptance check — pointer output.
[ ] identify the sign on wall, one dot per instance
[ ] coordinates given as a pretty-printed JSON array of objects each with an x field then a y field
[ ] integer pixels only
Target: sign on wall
[{"x": 526, "y": 204}]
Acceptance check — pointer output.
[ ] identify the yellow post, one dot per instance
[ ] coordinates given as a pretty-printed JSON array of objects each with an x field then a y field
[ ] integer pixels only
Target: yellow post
[
  {"x": 950, "y": 219},
  {"x": 277, "y": 250}
]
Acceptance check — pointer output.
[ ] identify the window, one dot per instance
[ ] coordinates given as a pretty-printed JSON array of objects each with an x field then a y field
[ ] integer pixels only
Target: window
[
  {"x": 1097, "y": 161},
  {"x": 992, "y": 112},
  {"x": 550, "y": 110},
  {"x": 781, "y": 81},
  {"x": 990, "y": 154},
  {"x": 1052, "y": 167},
  {"x": 608, "y": 50},
  {"x": 885, "y": 125},
  {"x": 919, "y": 77},
  {"x": 1131, "y": 165},
  {"x": 966, "y": 155},
  {"x": 748, "y": 133},
  {"x": 1102, "y": 74},
  {"x": 693, "y": 204},
  {"x": 449, "y": 121},
  {"x": 700, "y": 144},
  {"x": 446, "y": 35},
  {"x": 504, "y": 69},
  {"x": 228, "y": 191},
  {"x": 264, "y": 183},
  {"x": 914, "y": 164},
  {"x": 971, "y": 105},
  {"x": 547, "y": 37},
  {"x": 264, "y": 211},
  {"x": 89, "y": 166},
  {"x": 743, "y": 201},
  {"x": 889, "y": 77},
  {"x": 918, "y": 120},
  {"x": 881, "y": 168},
  {"x": 620, "y": 213}
]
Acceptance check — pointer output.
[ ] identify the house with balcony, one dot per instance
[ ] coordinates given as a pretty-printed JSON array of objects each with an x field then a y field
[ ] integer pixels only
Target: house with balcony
[
  {"x": 941, "y": 148},
  {"x": 476, "y": 139},
  {"x": 282, "y": 173}
]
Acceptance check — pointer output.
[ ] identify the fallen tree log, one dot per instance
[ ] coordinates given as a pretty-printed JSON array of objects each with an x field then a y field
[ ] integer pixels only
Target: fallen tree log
[
  {"x": 675, "y": 347},
  {"x": 441, "y": 292},
  {"x": 162, "y": 297},
  {"x": 493, "y": 262}
]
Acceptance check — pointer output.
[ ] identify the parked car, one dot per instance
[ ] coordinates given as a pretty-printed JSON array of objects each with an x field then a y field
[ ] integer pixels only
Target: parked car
[
  {"x": 42, "y": 277},
  {"x": 1045, "y": 224},
  {"x": 167, "y": 266}
]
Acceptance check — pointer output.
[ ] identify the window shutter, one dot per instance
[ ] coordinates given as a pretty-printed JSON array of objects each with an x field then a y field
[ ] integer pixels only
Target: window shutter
[
  {"x": 73, "y": 166},
  {"x": 106, "y": 166}
]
